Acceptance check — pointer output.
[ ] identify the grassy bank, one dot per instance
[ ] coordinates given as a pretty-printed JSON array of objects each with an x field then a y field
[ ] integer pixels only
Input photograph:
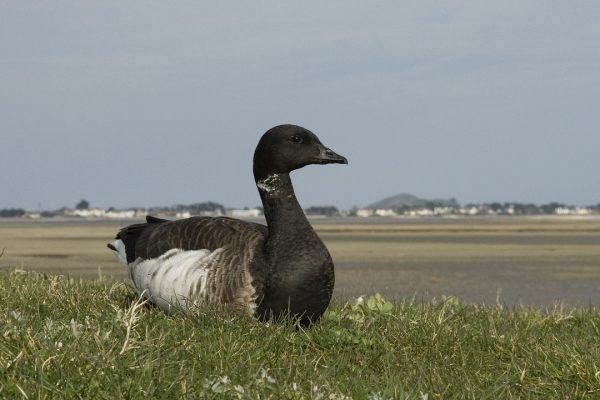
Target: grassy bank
[{"x": 62, "y": 338}]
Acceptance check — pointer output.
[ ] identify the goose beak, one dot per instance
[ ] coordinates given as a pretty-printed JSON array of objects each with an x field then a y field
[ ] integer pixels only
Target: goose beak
[{"x": 328, "y": 156}]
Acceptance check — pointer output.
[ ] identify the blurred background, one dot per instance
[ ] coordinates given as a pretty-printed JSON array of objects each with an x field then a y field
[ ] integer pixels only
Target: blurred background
[{"x": 139, "y": 104}]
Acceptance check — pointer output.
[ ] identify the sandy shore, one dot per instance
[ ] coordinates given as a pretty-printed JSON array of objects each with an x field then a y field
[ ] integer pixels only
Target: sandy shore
[{"x": 538, "y": 261}]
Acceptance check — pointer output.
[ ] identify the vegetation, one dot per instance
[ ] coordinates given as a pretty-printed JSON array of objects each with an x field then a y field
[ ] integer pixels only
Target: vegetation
[
  {"x": 65, "y": 338},
  {"x": 83, "y": 205},
  {"x": 329, "y": 211},
  {"x": 11, "y": 212}
]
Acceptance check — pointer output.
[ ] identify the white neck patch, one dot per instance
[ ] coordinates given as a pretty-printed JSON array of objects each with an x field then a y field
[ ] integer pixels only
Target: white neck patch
[{"x": 271, "y": 185}]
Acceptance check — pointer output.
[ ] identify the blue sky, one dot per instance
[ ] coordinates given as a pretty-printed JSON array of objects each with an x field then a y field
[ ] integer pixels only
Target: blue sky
[{"x": 157, "y": 103}]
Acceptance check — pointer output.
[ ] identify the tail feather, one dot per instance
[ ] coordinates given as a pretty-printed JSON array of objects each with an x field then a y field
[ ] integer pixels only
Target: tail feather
[
  {"x": 130, "y": 235},
  {"x": 154, "y": 220}
]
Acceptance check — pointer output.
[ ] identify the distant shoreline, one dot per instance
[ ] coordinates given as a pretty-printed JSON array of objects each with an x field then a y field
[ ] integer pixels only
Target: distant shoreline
[{"x": 337, "y": 220}]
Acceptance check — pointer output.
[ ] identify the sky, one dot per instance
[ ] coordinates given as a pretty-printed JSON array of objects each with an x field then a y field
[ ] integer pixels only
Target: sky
[{"x": 148, "y": 103}]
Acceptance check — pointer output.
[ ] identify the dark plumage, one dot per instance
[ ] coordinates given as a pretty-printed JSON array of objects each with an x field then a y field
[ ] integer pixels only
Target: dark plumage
[{"x": 269, "y": 271}]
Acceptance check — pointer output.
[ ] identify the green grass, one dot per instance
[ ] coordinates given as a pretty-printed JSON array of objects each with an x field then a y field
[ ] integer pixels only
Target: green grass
[{"x": 64, "y": 338}]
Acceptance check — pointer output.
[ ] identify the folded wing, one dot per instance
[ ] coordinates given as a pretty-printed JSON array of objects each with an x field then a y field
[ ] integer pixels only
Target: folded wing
[{"x": 179, "y": 264}]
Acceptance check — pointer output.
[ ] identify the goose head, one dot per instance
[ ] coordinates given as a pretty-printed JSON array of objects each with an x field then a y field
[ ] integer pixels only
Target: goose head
[{"x": 285, "y": 148}]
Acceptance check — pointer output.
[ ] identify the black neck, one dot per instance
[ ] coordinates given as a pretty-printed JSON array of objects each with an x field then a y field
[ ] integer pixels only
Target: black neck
[
  {"x": 302, "y": 277},
  {"x": 282, "y": 211}
]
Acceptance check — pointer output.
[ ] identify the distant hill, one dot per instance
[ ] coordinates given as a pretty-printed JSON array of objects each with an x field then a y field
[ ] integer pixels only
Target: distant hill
[{"x": 405, "y": 200}]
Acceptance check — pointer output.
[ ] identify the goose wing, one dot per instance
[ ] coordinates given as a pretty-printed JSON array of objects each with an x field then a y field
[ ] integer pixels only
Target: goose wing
[
  {"x": 195, "y": 260},
  {"x": 197, "y": 233}
]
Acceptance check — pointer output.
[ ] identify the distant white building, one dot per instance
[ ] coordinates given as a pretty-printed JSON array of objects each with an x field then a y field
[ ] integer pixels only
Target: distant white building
[
  {"x": 572, "y": 211},
  {"x": 364, "y": 212},
  {"x": 385, "y": 212},
  {"x": 101, "y": 213},
  {"x": 421, "y": 212},
  {"x": 443, "y": 210},
  {"x": 469, "y": 210},
  {"x": 244, "y": 213},
  {"x": 215, "y": 213},
  {"x": 120, "y": 214},
  {"x": 87, "y": 213}
]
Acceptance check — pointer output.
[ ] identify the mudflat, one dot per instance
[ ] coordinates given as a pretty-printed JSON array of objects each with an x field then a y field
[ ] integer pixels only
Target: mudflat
[{"x": 536, "y": 261}]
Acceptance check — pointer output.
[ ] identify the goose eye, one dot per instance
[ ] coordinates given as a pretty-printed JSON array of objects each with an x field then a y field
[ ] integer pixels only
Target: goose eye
[{"x": 296, "y": 139}]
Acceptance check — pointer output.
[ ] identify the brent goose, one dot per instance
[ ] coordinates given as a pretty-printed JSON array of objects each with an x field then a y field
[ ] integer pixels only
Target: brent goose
[{"x": 268, "y": 271}]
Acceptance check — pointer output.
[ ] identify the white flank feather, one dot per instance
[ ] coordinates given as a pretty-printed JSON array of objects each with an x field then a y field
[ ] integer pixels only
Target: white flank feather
[
  {"x": 175, "y": 280},
  {"x": 120, "y": 252}
]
